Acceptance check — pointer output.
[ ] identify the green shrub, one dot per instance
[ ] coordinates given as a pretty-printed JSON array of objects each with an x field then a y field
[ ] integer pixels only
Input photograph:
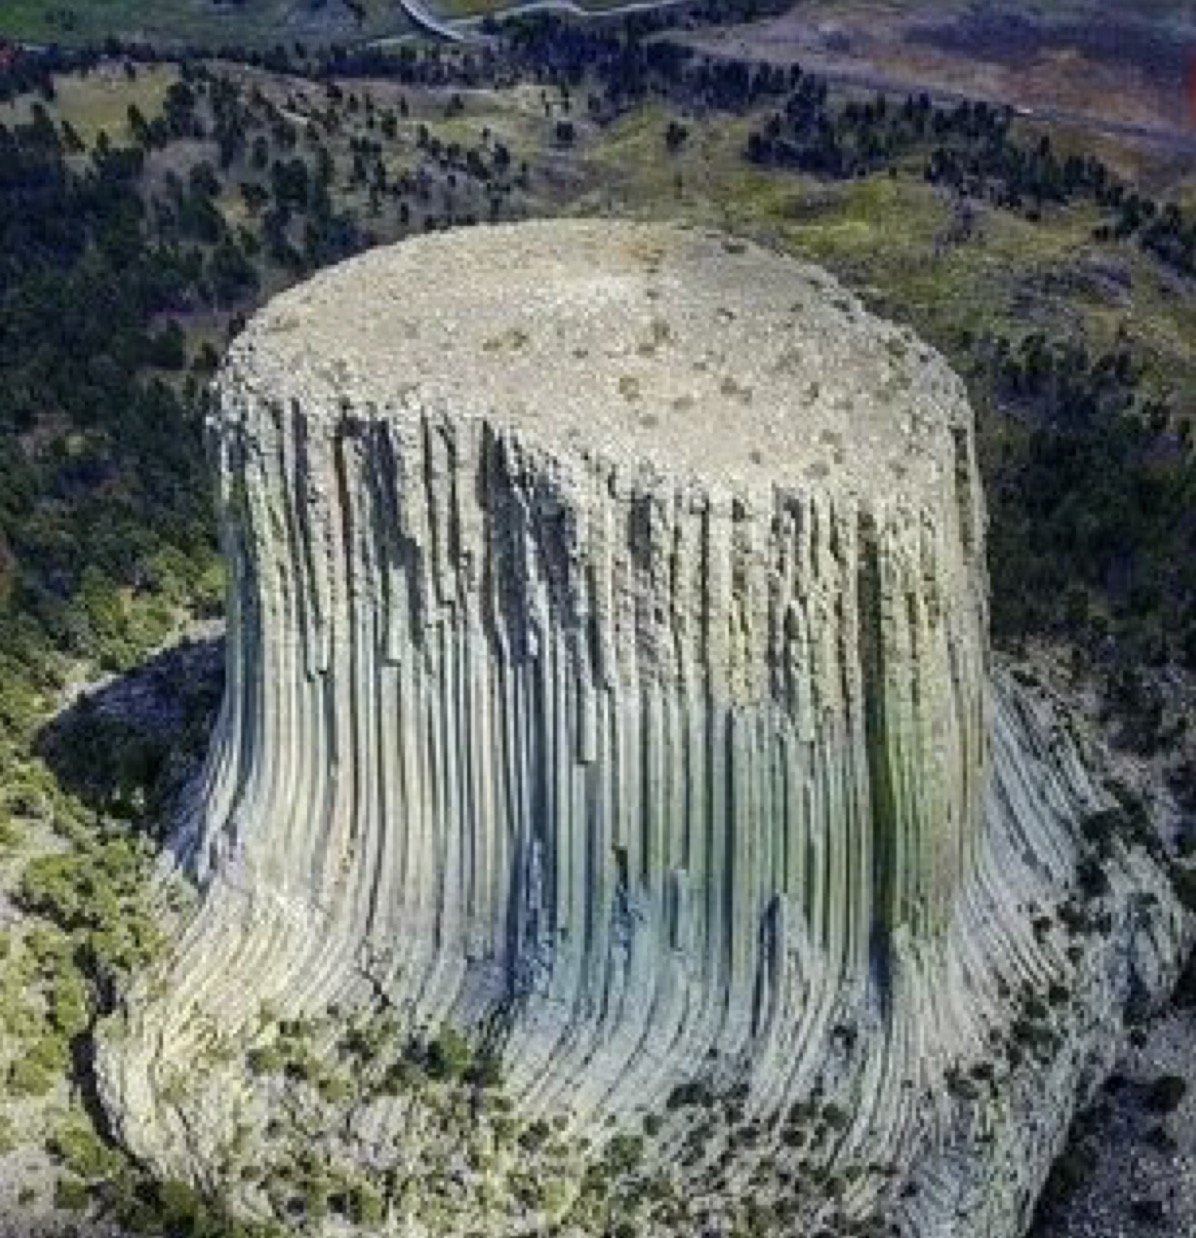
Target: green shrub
[
  {"x": 334, "y": 1089},
  {"x": 535, "y": 1135},
  {"x": 624, "y": 1152},
  {"x": 36, "y": 1073},
  {"x": 268, "y": 1060},
  {"x": 449, "y": 1056},
  {"x": 1148, "y": 1211},
  {"x": 834, "y": 1116},
  {"x": 401, "y": 1076},
  {"x": 70, "y": 1194},
  {"x": 170, "y": 1209},
  {"x": 365, "y": 1207},
  {"x": 1166, "y": 1094},
  {"x": 11, "y": 834},
  {"x": 695, "y": 1092},
  {"x": 1093, "y": 882},
  {"x": 81, "y": 1151},
  {"x": 69, "y": 1004},
  {"x": 486, "y": 1071}
]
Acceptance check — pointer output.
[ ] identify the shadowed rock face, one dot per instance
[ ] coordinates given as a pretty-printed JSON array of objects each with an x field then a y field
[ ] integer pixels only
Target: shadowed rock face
[{"x": 607, "y": 670}]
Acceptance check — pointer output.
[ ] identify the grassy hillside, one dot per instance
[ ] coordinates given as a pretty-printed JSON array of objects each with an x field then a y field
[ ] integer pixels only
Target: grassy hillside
[{"x": 211, "y": 23}]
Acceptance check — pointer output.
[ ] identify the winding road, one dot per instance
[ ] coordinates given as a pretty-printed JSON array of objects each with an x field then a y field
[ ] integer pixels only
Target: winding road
[
  {"x": 429, "y": 22},
  {"x": 463, "y": 29}
]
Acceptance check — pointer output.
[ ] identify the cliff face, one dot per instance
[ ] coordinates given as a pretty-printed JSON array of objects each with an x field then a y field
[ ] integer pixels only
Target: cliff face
[{"x": 608, "y": 675}]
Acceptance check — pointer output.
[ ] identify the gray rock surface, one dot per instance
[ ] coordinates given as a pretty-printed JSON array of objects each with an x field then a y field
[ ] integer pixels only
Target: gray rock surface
[{"x": 608, "y": 675}]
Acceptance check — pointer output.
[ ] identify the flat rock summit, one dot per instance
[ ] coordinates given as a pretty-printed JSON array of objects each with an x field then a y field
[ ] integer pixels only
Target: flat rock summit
[
  {"x": 609, "y": 683},
  {"x": 649, "y": 346}
]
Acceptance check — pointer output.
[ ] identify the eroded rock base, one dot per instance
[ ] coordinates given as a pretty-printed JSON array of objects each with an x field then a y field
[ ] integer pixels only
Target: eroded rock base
[{"x": 940, "y": 1122}]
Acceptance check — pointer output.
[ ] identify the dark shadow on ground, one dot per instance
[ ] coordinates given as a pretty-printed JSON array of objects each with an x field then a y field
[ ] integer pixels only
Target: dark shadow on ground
[{"x": 128, "y": 747}]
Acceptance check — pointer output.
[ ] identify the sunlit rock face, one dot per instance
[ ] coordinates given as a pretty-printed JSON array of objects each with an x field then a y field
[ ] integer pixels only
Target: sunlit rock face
[{"x": 608, "y": 674}]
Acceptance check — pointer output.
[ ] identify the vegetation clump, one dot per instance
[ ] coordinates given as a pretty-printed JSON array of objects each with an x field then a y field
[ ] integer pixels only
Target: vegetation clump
[{"x": 1166, "y": 1093}]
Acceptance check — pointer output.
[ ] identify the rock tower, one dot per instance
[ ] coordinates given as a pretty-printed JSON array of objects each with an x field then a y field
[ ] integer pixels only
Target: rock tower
[{"x": 608, "y": 677}]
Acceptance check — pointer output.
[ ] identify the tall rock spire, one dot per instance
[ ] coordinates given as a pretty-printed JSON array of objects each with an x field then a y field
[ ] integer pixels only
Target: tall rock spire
[{"x": 607, "y": 665}]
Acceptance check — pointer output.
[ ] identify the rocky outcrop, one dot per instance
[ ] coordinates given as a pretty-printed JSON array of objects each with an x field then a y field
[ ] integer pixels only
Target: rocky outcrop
[{"x": 608, "y": 677}]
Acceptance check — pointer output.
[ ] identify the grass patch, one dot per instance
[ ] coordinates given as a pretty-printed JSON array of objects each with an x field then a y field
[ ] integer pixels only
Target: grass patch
[
  {"x": 252, "y": 23},
  {"x": 99, "y": 101}
]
